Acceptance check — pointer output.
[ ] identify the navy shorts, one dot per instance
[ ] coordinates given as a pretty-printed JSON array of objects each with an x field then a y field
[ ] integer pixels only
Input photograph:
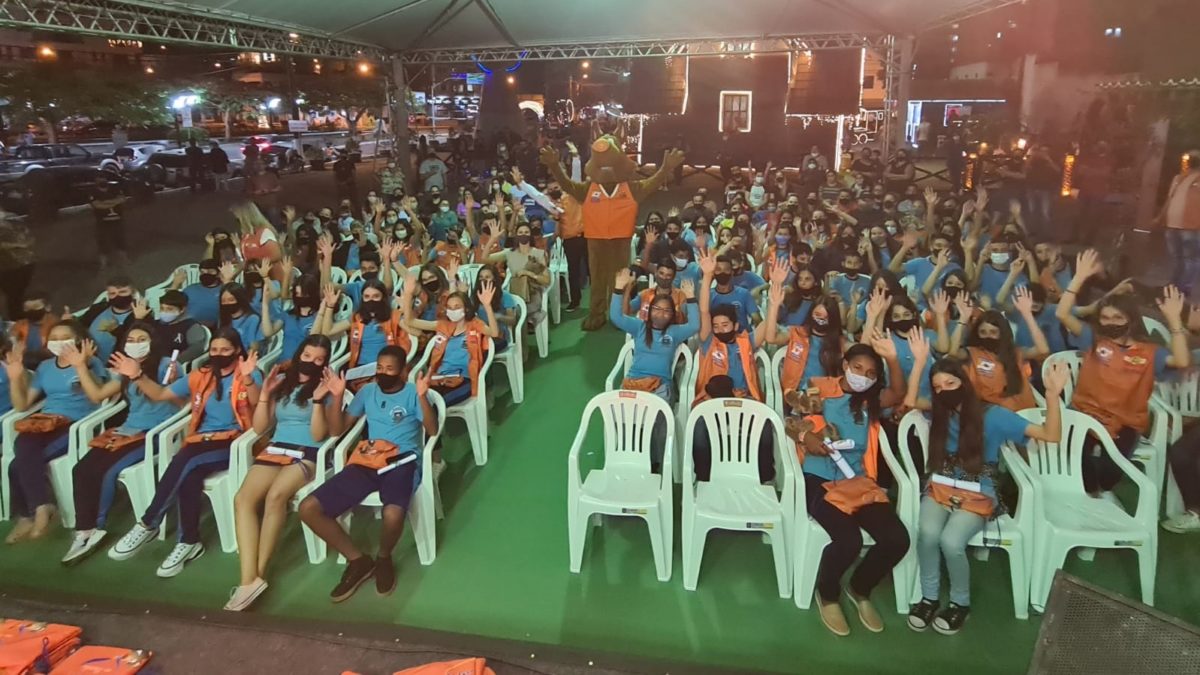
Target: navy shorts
[{"x": 355, "y": 483}]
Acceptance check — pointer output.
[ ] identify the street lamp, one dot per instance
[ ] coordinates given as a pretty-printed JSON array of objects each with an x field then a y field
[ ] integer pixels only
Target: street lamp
[
  {"x": 511, "y": 79},
  {"x": 273, "y": 103},
  {"x": 47, "y": 52},
  {"x": 586, "y": 64},
  {"x": 364, "y": 68},
  {"x": 149, "y": 70}
]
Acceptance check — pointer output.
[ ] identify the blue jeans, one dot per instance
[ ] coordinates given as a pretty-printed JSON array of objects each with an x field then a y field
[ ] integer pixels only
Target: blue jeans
[
  {"x": 1184, "y": 248},
  {"x": 942, "y": 533}
]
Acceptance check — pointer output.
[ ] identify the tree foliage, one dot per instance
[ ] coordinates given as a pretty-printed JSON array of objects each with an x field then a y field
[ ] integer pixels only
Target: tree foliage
[
  {"x": 230, "y": 99},
  {"x": 352, "y": 96}
]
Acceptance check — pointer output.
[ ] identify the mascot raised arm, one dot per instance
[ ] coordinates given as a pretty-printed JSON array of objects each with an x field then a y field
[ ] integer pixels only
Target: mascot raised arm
[{"x": 609, "y": 203}]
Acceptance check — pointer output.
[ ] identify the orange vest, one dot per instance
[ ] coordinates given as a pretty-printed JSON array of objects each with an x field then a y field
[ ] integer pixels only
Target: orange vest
[
  {"x": 391, "y": 330},
  {"x": 716, "y": 362},
  {"x": 201, "y": 385},
  {"x": 987, "y": 376},
  {"x": 830, "y": 388},
  {"x": 20, "y": 329},
  {"x": 677, "y": 296},
  {"x": 1115, "y": 384},
  {"x": 411, "y": 255},
  {"x": 795, "y": 358},
  {"x": 768, "y": 261},
  {"x": 607, "y": 217},
  {"x": 475, "y": 347},
  {"x": 444, "y": 254}
]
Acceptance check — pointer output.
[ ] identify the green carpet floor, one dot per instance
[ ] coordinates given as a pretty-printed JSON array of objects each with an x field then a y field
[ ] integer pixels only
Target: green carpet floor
[{"x": 502, "y": 569}]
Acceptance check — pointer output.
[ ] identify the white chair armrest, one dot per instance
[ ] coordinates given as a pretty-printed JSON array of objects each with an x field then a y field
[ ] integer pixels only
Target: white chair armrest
[
  {"x": 1027, "y": 488},
  {"x": 241, "y": 456},
  {"x": 349, "y": 440},
  {"x": 89, "y": 426}
]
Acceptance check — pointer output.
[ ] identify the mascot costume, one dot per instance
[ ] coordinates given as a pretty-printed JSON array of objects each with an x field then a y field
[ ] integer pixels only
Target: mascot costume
[{"x": 609, "y": 203}]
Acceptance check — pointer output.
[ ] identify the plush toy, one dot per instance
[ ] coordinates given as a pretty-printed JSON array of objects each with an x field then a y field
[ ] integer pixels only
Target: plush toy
[{"x": 609, "y": 202}]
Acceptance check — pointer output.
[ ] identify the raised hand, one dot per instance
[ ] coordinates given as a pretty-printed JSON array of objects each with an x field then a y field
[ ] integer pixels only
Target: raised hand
[
  {"x": 1171, "y": 305},
  {"x": 878, "y": 303},
  {"x": 1016, "y": 267},
  {"x": 942, "y": 259},
  {"x": 333, "y": 383},
  {"x": 918, "y": 344},
  {"x": 909, "y": 239},
  {"x": 779, "y": 271},
  {"x": 856, "y": 296},
  {"x": 1056, "y": 378},
  {"x": 672, "y": 159},
  {"x": 931, "y": 197},
  {"x": 1023, "y": 301},
  {"x": 179, "y": 279},
  {"x": 487, "y": 291},
  {"x": 939, "y": 303},
  {"x": 1014, "y": 207},
  {"x": 125, "y": 366},
  {"x": 548, "y": 156},
  {"x": 881, "y": 342},
  {"x": 325, "y": 247},
  {"x": 651, "y": 237},
  {"x": 141, "y": 309},
  {"x": 689, "y": 288},
  {"x": 707, "y": 262},
  {"x": 962, "y": 302},
  {"x": 330, "y": 295},
  {"x": 776, "y": 294},
  {"x": 624, "y": 279},
  {"x": 248, "y": 364},
  {"x": 423, "y": 380},
  {"x": 73, "y": 357},
  {"x": 264, "y": 270},
  {"x": 1087, "y": 264},
  {"x": 274, "y": 379},
  {"x": 228, "y": 272}
]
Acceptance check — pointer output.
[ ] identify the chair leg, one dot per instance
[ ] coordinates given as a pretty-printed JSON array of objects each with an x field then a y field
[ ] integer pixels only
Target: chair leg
[
  {"x": 693, "y": 552},
  {"x": 1147, "y": 567},
  {"x": 1020, "y": 580},
  {"x": 577, "y": 529},
  {"x": 5, "y": 490},
  {"x": 424, "y": 527},
  {"x": 542, "y": 332},
  {"x": 666, "y": 515},
  {"x": 62, "y": 483},
  {"x": 1174, "y": 500},
  {"x": 782, "y": 570},
  {"x": 1052, "y": 561},
  {"x": 810, "y": 561},
  {"x": 515, "y": 382},
  {"x": 222, "y": 504},
  {"x": 317, "y": 548},
  {"x": 657, "y": 544}
]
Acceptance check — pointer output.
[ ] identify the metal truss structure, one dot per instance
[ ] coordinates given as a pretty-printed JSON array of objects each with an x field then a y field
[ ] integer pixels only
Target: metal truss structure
[
  {"x": 146, "y": 21},
  {"x": 649, "y": 48},
  {"x": 974, "y": 9}
]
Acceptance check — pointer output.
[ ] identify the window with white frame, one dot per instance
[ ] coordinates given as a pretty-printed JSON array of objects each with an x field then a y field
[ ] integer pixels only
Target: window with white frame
[{"x": 735, "y": 111}]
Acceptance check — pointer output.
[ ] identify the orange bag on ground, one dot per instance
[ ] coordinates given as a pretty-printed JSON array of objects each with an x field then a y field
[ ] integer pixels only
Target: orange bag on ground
[
  {"x": 474, "y": 666},
  {"x": 33, "y": 646},
  {"x": 103, "y": 661}
]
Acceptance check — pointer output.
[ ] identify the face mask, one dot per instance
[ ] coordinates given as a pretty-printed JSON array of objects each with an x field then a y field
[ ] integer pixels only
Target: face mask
[
  {"x": 818, "y": 321},
  {"x": 373, "y": 309},
  {"x": 387, "y": 382},
  {"x": 952, "y": 291},
  {"x": 672, "y": 235},
  {"x": 221, "y": 362},
  {"x": 812, "y": 166},
  {"x": 168, "y": 317},
  {"x": 431, "y": 286},
  {"x": 495, "y": 187},
  {"x": 227, "y": 311},
  {"x": 727, "y": 338},
  {"x": 35, "y": 314},
  {"x": 859, "y": 383},
  {"x": 782, "y": 240},
  {"x": 681, "y": 263},
  {"x": 990, "y": 344},
  {"x": 723, "y": 278},
  {"x": 891, "y": 229},
  {"x": 523, "y": 239},
  {"x": 208, "y": 279},
  {"x": 392, "y": 220},
  {"x": 370, "y": 276},
  {"x": 121, "y": 302},
  {"x": 456, "y": 315},
  {"x": 401, "y": 233},
  {"x": 950, "y": 398},
  {"x": 851, "y": 272},
  {"x": 1112, "y": 331},
  {"x": 310, "y": 369},
  {"x": 758, "y": 181},
  {"x": 57, "y": 347},
  {"x": 137, "y": 350},
  {"x": 999, "y": 258},
  {"x": 901, "y": 327},
  {"x": 443, "y": 208}
]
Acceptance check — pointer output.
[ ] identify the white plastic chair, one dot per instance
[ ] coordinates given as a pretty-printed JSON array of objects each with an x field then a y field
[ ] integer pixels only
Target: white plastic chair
[
  {"x": 681, "y": 371},
  {"x": 541, "y": 330},
  {"x": 625, "y": 486},
  {"x": 473, "y": 411},
  {"x": 513, "y": 356},
  {"x": 1068, "y": 517},
  {"x": 558, "y": 269},
  {"x": 338, "y": 276},
  {"x": 139, "y": 479},
  {"x": 909, "y": 284},
  {"x": 1157, "y": 330},
  {"x": 467, "y": 274},
  {"x": 1151, "y": 450},
  {"x": 1014, "y": 533},
  {"x": 422, "y": 510},
  {"x": 733, "y": 498}
]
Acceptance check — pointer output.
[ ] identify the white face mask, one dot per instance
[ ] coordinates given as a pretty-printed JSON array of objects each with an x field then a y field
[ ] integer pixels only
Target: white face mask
[
  {"x": 57, "y": 347},
  {"x": 137, "y": 350},
  {"x": 444, "y": 208},
  {"x": 859, "y": 383},
  {"x": 681, "y": 263},
  {"x": 456, "y": 315},
  {"x": 401, "y": 233},
  {"x": 168, "y": 317},
  {"x": 999, "y": 258}
]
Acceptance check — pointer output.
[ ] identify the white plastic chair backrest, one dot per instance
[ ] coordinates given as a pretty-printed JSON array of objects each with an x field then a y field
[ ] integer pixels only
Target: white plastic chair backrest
[
  {"x": 1059, "y": 465},
  {"x": 338, "y": 276},
  {"x": 557, "y": 254},
  {"x": 345, "y": 308},
  {"x": 909, "y": 284},
  {"x": 735, "y": 427},
  {"x": 913, "y": 424},
  {"x": 192, "y": 273},
  {"x": 467, "y": 274},
  {"x": 1158, "y": 332},
  {"x": 1072, "y": 360},
  {"x": 517, "y": 333},
  {"x": 341, "y": 345},
  {"x": 628, "y": 419},
  {"x": 189, "y": 366}
]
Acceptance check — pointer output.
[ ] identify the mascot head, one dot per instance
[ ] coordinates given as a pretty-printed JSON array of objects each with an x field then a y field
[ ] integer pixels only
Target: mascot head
[{"x": 609, "y": 165}]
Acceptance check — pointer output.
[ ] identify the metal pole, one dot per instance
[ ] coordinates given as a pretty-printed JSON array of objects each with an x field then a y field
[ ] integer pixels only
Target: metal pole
[
  {"x": 400, "y": 148},
  {"x": 889, "y": 83}
]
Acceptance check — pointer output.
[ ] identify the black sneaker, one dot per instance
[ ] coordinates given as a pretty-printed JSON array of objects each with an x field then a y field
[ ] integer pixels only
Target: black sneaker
[
  {"x": 950, "y": 620},
  {"x": 385, "y": 576},
  {"x": 357, "y": 572},
  {"x": 921, "y": 614}
]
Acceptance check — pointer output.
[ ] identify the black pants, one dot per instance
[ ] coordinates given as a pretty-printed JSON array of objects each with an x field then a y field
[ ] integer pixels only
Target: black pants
[
  {"x": 1100, "y": 473},
  {"x": 14, "y": 283},
  {"x": 28, "y": 475},
  {"x": 879, "y": 520},
  {"x": 1184, "y": 455},
  {"x": 110, "y": 236},
  {"x": 702, "y": 454},
  {"x": 576, "y": 251}
]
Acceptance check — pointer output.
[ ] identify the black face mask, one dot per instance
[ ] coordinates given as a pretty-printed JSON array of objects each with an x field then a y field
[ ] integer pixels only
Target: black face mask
[
  {"x": 727, "y": 338},
  {"x": 208, "y": 279},
  {"x": 555, "y": 194},
  {"x": 990, "y": 344},
  {"x": 949, "y": 398},
  {"x": 672, "y": 235},
  {"x": 310, "y": 369},
  {"x": 723, "y": 278},
  {"x": 227, "y": 312},
  {"x": 851, "y": 273},
  {"x": 221, "y": 362},
  {"x": 370, "y": 276},
  {"x": 121, "y": 302},
  {"x": 373, "y": 310},
  {"x": 303, "y": 302},
  {"x": 35, "y": 314},
  {"x": 664, "y": 282},
  {"x": 523, "y": 239},
  {"x": 902, "y": 327},
  {"x": 1112, "y": 331},
  {"x": 387, "y": 382},
  {"x": 431, "y": 286},
  {"x": 808, "y": 292}
]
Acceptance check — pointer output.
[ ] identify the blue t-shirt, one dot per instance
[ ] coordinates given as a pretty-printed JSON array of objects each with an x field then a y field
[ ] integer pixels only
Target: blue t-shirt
[
  {"x": 353, "y": 290},
  {"x": 145, "y": 414},
  {"x": 396, "y": 418},
  {"x": 692, "y": 272},
  {"x": 506, "y": 303},
  {"x": 217, "y": 414},
  {"x": 106, "y": 344},
  {"x": 837, "y": 412},
  {"x": 654, "y": 360},
  {"x": 907, "y": 362},
  {"x": 295, "y": 330},
  {"x": 5, "y": 392},
  {"x": 293, "y": 421},
  {"x": 1000, "y": 426},
  {"x": 106, "y": 316},
  {"x": 920, "y": 269},
  {"x": 844, "y": 286},
  {"x": 1056, "y": 334},
  {"x": 204, "y": 304},
  {"x": 748, "y": 280},
  {"x": 991, "y": 280},
  {"x": 455, "y": 359},
  {"x": 740, "y": 299},
  {"x": 64, "y": 394},
  {"x": 373, "y": 342},
  {"x": 249, "y": 328},
  {"x": 796, "y": 317}
]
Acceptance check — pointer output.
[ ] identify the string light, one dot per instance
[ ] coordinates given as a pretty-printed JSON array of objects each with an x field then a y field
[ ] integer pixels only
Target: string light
[
  {"x": 969, "y": 174},
  {"x": 1068, "y": 174}
]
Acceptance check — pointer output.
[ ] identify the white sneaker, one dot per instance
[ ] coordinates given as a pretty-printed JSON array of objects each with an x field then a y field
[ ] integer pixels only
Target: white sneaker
[
  {"x": 129, "y": 544},
  {"x": 242, "y": 596},
  {"x": 83, "y": 544},
  {"x": 181, "y": 555},
  {"x": 1185, "y": 523}
]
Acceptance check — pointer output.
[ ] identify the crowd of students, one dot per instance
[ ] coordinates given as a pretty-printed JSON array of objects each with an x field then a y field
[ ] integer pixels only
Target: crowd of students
[{"x": 885, "y": 300}]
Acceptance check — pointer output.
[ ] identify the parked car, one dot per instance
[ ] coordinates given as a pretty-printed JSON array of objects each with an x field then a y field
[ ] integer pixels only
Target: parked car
[
  {"x": 131, "y": 157},
  {"x": 25, "y": 158},
  {"x": 43, "y": 191}
]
